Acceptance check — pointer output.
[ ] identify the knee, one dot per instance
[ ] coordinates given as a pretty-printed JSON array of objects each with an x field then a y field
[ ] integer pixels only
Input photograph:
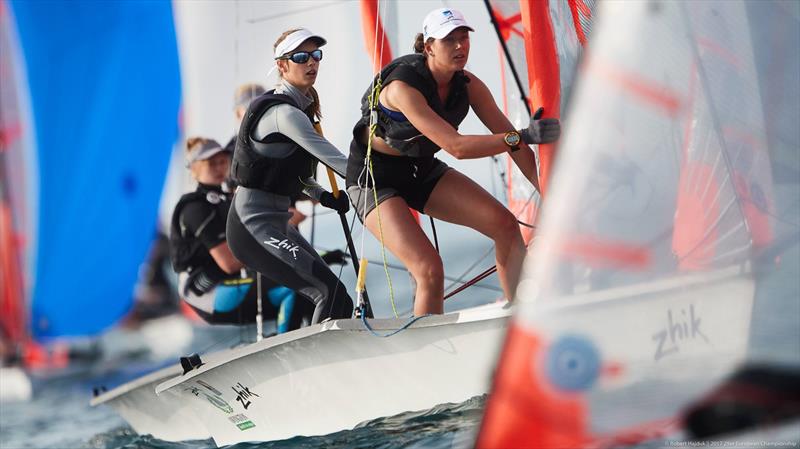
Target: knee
[
  {"x": 505, "y": 226},
  {"x": 429, "y": 271}
]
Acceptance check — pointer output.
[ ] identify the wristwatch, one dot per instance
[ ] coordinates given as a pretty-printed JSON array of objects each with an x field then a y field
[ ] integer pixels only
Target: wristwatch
[{"x": 512, "y": 139}]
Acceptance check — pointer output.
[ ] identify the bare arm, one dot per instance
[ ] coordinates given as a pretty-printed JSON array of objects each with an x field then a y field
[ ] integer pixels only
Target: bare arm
[
  {"x": 224, "y": 258},
  {"x": 487, "y": 111},
  {"x": 404, "y": 98}
]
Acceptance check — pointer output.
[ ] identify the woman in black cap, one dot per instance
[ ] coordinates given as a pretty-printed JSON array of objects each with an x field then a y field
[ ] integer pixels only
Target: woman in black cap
[
  {"x": 277, "y": 151},
  {"x": 211, "y": 280}
]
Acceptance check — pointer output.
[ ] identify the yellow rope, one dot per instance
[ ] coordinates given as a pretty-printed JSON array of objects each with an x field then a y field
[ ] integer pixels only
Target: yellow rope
[{"x": 373, "y": 100}]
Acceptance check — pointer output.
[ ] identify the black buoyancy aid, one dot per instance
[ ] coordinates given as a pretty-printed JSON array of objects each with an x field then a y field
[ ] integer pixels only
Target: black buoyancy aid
[
  {"x": 186, "y": 252},
  {"x": 251, "y": 169},
  {"x": 402, "y": 135}
]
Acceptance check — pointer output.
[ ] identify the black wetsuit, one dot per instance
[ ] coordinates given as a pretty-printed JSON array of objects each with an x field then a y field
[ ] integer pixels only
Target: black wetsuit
[
  {"x": 198, "y": 225},
  {"x": 414, "y": 175},
  {"x": 276, "y": 153}
]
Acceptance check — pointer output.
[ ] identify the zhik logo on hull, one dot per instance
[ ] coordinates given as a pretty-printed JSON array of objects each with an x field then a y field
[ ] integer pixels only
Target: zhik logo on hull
[
  {"x": 681, "y": 330},
  {"x": 283, "y": 244}
]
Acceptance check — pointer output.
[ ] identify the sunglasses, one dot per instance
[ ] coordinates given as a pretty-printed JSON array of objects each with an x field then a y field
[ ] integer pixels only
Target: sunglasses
[{"x": 301, "y": 57}]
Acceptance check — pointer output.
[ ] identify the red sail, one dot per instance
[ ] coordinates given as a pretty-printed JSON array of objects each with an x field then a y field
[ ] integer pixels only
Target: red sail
[{"x": 525, "y": 410}]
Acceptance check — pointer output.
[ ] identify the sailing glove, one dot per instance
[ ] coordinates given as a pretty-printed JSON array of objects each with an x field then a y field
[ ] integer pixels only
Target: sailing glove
[
  {"x": 541, "y": 130},
  {"x": 341, "y": 204},
  {"x": 335, "y": 257}
]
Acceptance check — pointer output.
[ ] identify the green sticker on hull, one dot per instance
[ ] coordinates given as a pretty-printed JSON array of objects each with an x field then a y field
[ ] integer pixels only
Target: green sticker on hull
[{"x": 245, "y": 425}]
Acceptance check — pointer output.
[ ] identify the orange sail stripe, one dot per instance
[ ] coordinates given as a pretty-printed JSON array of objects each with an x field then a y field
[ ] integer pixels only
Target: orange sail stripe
[
  {"x": 720, "y": 51},
  {"x": 604, "y": 253},
  {"x": 648, "y": 91}
]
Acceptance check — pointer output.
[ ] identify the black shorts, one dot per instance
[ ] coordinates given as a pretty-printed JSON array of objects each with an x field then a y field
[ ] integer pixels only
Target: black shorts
[{"x": 410, "y": 178}]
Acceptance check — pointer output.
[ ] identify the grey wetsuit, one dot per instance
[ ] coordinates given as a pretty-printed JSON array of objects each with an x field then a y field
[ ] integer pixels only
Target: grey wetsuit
[{"x": 258, "y": 229}]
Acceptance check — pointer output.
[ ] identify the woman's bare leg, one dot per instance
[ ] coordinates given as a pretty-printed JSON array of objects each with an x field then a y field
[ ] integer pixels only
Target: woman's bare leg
[
  {"x": 458, "y": 199},
  {"x": 403, "y": 236}
]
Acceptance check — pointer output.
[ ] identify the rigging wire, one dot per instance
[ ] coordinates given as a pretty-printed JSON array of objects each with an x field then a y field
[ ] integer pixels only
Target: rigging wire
[
  {"x": 472, "y": 282},
  {"x": 460, "y": 279},
  {"x": 435, "y": 237},
  {"x": 502, "y": 175},
  {"x": 449, "y": 278},
  {"x": 724, "y": 150},
  {"x": 236, "y": 80},
  {"x": 508, "y": 56}
]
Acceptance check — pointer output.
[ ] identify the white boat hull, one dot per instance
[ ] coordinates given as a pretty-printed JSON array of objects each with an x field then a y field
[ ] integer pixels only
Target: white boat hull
[
  {"x": 333, "y": 376},
  {"x": 137, "y": 403},
  {"x": 15, "y": 386}
]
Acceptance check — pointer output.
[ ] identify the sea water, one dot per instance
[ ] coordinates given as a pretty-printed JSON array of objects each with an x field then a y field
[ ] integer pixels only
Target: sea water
[{"x": 60, "y": 417}]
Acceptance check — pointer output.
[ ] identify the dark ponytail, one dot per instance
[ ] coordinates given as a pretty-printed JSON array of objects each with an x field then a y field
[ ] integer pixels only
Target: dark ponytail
[
  {"x": 314, "y": 109},
  {"x": 420, "y": 42}
]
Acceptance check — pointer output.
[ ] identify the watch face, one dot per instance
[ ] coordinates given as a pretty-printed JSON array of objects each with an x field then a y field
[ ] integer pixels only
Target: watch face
[{"x": 512, "y": 139}]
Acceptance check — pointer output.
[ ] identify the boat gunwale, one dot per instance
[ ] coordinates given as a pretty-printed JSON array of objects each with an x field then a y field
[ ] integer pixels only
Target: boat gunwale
[
  {"x": 170, "y": 371},
  {"x": 640, "y": 289},
  {"x": 486, "y": 312}
]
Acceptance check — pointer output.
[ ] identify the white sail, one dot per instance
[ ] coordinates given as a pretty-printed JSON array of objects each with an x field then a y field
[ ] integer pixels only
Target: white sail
[{"x": 638, "y": 294}]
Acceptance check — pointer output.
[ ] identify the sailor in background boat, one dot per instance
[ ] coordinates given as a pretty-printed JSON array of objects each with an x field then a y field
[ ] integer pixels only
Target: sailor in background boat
[
  {"x": 211, "y": 280},
  {"x": 276, "y": 155},
  {"x": 242, "y": 97},
  {"x": 423, "y": 98}
]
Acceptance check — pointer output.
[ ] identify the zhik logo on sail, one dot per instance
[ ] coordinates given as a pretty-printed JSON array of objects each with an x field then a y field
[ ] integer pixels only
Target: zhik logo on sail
[{"x": 283, "y": 244}]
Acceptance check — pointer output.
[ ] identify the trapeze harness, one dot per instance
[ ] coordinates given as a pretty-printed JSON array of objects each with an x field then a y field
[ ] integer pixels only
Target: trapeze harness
[
  {"x": 277, "y": 151},
  {"x": 198, "y": 224},
  {"x": 413, "y": 175}
]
